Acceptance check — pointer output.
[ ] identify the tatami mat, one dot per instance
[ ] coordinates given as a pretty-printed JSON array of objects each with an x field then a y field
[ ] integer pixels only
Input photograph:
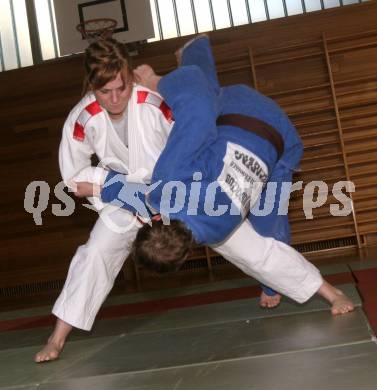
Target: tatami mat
[{"x": 233, "y": 344}]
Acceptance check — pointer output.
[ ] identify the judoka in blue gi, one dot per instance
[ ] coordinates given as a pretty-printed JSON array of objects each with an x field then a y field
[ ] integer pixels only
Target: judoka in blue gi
[
  {"x": 227, "y": 144},
  {"x": 230, "y": 164}
]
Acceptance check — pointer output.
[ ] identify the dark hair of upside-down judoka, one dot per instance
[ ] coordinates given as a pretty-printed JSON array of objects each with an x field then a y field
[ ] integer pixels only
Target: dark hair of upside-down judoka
[{"x": 162, "y": 248}]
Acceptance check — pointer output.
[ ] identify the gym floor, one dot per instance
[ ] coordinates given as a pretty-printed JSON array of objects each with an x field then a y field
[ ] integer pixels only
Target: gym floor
[{"x": 207, "y": 336}]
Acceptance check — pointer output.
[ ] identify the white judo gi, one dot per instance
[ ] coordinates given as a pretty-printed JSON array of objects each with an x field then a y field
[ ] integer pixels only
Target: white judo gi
[
  {"x": 88, "y": 130},
  {"x": 95, "y": 265}
]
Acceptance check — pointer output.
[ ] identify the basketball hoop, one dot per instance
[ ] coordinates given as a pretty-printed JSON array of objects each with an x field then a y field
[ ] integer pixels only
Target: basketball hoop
[{"x": 94, "y": 29}]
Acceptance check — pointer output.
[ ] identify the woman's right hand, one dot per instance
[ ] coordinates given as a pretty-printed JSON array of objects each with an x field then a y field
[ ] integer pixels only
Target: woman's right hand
[{"x": 85, "y": 189}]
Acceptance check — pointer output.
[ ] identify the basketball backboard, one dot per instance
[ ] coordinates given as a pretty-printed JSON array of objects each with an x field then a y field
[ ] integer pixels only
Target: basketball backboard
[{"x": 134, "y": 20}]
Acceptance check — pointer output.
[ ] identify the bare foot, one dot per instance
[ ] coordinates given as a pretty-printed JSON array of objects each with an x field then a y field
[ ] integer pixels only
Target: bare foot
[
  {"x": 147, "y": 77},
  {"x": 55, "y": 343},
  {"x": 49, "y": 352},
  {"x": 269, "y": 301},
  {"x": 178, "y": 53},
  {"x": 340, "y": 303}
]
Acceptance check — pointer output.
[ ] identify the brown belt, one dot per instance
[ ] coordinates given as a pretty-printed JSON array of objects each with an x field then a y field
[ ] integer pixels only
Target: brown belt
[{"x": 256, "y": 126}]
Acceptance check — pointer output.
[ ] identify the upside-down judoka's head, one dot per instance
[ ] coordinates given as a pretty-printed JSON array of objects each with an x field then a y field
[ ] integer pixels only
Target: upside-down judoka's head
[
  {"x": 109, "y": 75},
  {"x": 162, "y": 248}
]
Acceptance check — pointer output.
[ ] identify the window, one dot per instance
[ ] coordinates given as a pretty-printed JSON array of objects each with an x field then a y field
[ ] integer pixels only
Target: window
[{"x": 171, "y": 18}]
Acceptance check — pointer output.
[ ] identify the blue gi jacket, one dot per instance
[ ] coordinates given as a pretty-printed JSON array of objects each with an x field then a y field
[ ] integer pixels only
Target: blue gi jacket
[{"x": 223, "y": 155}]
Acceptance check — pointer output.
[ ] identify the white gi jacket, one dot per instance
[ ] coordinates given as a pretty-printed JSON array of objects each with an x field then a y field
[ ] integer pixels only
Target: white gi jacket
[{"x": 88, "y": 130}]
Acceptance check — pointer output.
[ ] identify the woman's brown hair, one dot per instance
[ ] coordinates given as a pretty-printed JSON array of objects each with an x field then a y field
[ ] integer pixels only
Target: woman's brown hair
[{"x": 104, "y": 59}]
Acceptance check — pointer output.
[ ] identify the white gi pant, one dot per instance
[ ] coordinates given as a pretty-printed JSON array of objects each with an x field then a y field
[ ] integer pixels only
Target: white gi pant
[{"x": 96, "y": 264}]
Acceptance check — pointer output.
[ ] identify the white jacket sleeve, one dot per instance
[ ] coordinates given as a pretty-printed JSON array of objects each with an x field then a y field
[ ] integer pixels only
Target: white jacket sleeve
[{"x": 75, "y": 156}]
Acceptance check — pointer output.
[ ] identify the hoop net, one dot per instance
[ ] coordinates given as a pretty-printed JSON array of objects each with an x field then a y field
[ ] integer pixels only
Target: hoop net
[{"x": 95, "y": 29}]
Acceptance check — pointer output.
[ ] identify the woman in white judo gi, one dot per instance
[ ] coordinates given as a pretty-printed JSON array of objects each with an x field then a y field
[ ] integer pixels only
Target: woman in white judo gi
[
  {"x": 119, "y": 122},
  {"x": 90, "y": 129}
]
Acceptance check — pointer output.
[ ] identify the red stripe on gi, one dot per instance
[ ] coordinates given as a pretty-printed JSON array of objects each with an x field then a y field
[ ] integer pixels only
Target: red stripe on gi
[
  {"x": 142, "y": 96},
  {"x": 166, "y": 111},
  {"x": 78, "y": 132},
  {"x": 164, "y": 108},
  {"x": 93, "y": 108}
]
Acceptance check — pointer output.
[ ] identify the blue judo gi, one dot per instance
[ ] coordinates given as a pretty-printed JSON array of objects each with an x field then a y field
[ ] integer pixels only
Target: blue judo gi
[{"x": 219, "y": 167}]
